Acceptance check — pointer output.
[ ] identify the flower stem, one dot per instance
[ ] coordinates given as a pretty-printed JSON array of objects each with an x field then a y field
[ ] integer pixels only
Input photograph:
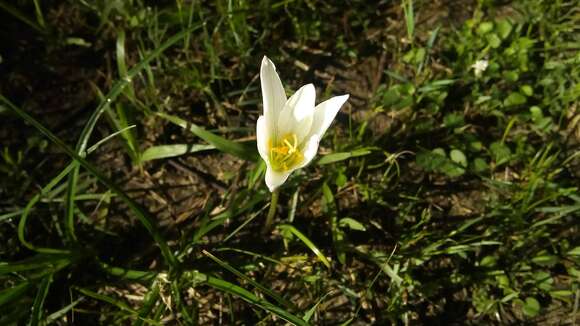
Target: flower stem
[{"x": 271, "y": 211}]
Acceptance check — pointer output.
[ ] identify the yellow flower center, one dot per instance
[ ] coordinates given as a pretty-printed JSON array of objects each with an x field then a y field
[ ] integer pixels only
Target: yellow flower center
[{"x": 285, "y": 154}]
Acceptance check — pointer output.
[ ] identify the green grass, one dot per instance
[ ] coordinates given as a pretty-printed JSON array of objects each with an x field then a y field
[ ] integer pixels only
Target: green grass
[{"x": 131, "y": 191}]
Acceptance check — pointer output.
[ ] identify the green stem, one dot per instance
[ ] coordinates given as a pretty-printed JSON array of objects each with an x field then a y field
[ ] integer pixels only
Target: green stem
[{"x": 271, "y": 211}]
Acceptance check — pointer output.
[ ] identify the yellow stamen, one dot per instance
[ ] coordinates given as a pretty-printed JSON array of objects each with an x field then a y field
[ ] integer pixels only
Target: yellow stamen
[{"x": 285, "y": 154}]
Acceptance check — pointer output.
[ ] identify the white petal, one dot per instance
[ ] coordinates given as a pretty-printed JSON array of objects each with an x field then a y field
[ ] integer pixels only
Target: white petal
[
  {"x": 297, "y": 115},
  {"x": 324, "y": 114},
  {"x": 262, "y": 137},
  {"x": 273, "y": 94},
  {"x": 310, "y": 150},
  {"x": 303, "y": 102},
  {"x": 275, "y": 179}
]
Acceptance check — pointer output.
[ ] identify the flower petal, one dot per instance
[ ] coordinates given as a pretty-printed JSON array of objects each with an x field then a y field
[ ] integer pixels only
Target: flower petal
[
  {"x": 262, "y": 137},
  {"x": 324, "y": 114},
  {"x": 275, "y": 179},
  {"x": 273, "y": 94},
  {"x": 297, "y": 115},
  {"x": 310, "y": 150}
]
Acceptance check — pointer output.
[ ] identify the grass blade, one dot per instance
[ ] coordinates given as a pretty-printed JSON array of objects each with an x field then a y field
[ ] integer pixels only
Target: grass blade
[
  {"x": 19, "y": 15},
  {"x": 149, "y": 302},
  {"x": 338, "y": 234},
  {"x": 241, "y": 275},
  {"x": 245, "y": 295},
  {"x": 12, "y": 294},
  {"x": 140, "y": 213},
  {"x": 37, "y": 306},
  {"x": 45, "y": 190},
  {"x": 310, "y": 312},
  {"x": 307, "y": 242},
  {"x": 47, "y": 263},
  {"x": 115, "y": 91},
  {"x": 61, "y": 312}
]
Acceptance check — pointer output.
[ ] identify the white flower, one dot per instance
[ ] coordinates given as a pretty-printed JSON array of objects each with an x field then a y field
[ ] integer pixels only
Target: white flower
[
  {"x": 290, "y": 129},
  {"x": 479, "y": 67}
]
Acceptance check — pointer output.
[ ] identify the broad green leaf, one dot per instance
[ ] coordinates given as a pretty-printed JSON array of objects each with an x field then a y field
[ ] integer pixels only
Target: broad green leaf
[
  {"x": 337, "y": 157},
  {"x": 165, "y": 151},
  {"x": 240, "y": 150}
]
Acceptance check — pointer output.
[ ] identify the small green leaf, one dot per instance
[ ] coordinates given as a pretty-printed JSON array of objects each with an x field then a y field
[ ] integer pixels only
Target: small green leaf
[
  {"x": 536, "y": 113},
  {"x": 488, "y": 261},
  {"x": 494, "y": 40},
  {"x": 458, "y": 157},
  {"x": 543, "y": 280},
  {"x": 475, "y": 146},
  {"x": 501, "y": 153},
  {"x": 484, "y": 28},
  {"x": 574, "y": 252},
  {"x": 480, "y": 165},
  {"x": 453, "y": 120},
  {"x": 527, "y": 90},
  {"x": 545, "y": 260},
  {"x": 430, "y": 161},
  {"x": 564, "y": 295},
  {"x": 511, "y": 76},
  {"x": 351, "y": 224},
  {"x": 340, "y": 180},
  {"x": 504, "y": 28},
  {"x": 515, "y": 99},
  {"x": 391, "y": 97},
  {"x": 531, "y": 307},
  {"x": 420, "y": 55}
]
